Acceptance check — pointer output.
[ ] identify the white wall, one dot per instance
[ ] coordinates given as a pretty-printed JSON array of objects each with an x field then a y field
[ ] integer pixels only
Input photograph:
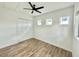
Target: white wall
[
  {"x": 56, "y": 34},
  {"x": 75, "y": 40},
  {"x": 24, "y": 29},
  {"x": 8, "y": 27}
]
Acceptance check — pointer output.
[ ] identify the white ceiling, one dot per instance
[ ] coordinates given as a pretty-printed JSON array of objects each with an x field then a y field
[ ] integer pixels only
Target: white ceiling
[{"x": 48, "y": 6}]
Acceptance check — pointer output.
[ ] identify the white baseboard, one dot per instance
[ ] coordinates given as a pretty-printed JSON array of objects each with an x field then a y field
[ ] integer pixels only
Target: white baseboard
[
  {"x": 14, "y": 40},
  {"x": 53, "y": 44}
]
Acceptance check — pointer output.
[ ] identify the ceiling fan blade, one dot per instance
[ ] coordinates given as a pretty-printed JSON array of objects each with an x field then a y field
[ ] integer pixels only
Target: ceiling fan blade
[
  {"x": 38, "y": 11},
  {"x": 31, "y": 4},
  {"x": 32, "y": 11},
  {"x": 40, "y": 7},
  {"x": 27, "y": 8}
]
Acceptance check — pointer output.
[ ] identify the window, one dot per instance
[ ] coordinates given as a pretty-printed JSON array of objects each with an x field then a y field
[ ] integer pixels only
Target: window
[
  {"x": 64, "y": 20},
  {"x": 49, "y": 21},
  {"x": 77, "y": 26},
  {"x": 39, "y": 22}
]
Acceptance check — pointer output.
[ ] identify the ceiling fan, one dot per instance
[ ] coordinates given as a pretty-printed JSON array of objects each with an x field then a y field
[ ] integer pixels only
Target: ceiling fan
[{"x": 33, "y": 8}]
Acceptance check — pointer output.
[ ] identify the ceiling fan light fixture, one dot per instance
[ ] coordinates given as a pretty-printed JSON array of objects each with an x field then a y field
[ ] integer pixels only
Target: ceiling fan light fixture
[{"x": 33, "y": 6}]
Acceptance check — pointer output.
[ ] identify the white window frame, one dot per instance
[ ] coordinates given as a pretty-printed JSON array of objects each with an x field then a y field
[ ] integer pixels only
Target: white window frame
[
  {"x": 77, "y": 27},
  {"x": 49, "y": 21},
  {"x": 39, "y": 22},
  {"x": 64, "y": 20}
]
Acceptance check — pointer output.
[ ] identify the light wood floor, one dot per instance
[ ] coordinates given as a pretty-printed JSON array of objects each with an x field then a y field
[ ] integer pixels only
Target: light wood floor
[{"x": 34, "y": 48}]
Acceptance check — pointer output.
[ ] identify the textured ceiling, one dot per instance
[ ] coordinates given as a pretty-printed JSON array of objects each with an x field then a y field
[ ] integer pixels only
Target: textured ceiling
[{"x": 48, "y": 6}]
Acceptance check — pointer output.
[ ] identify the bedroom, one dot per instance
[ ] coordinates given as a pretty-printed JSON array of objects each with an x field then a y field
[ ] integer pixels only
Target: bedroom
[{"x": 51, "y": 31}]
